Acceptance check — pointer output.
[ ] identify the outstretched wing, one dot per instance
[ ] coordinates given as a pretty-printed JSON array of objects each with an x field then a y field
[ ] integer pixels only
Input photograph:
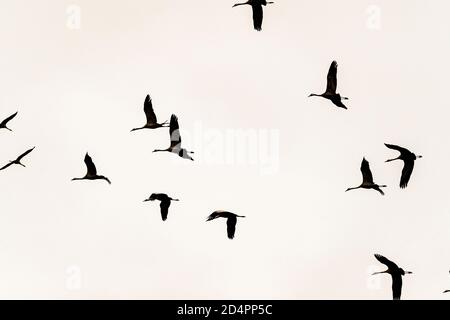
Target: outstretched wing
[
  {"x": 231, "y": 226},
  {"x": 175, "y": 137},
  {"x": 332, "y": 78},
  {"x": 4, "y": 122},
  {"x": 396, "y": 286},
  {"x": 406, "y": 173},
  {"x": 403, "y": 151},
  {"x": 388, "y": 263},
  {"x": 6, "y": 166},
  {"x": 148, "y": 109},
  {"x": 257, "y": 16},
  {"x": 91, "y": 169},
  {"x": 366, "y": 173},
  {"x": 164, "y": 205},
  {"x": 24, "y": 154}
]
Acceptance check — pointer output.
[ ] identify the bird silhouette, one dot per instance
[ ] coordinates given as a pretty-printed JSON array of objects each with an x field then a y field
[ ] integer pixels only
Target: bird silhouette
[
  {"x": 368, "y": 179},
  {"x": 231, "y": 220},
  {"x": 408, "y": 159},
  {"x": 152, "y": 122},
  {"x": 330, "y": 92},
  {"x": 175, "y": 141},
  {"x": 17, "y": 161},
  {"x": 165, "y": 203},
  {"x": 91, "y": 171},
  {"x": 5, "y": 122},
  {"x": 257, "y": 11},
  {"x": 396, "y": 274}
]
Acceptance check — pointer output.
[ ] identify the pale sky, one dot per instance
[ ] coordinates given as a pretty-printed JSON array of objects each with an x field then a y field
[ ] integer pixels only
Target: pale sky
[{"x": 82, "y": 89}]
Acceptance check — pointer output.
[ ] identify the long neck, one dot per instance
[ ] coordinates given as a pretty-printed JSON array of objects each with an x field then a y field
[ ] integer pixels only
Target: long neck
[
  {"x": 241, "y": 4},
  {"x": 380, "y": 272},
  {"x": 161, "y": 150},
  {"x": 135, "y": 129},
  {"x": 349, "y": 189},
  {"x": 315, "y": 95},
  {"x": 390, "y": 160},
  {"x": 75, "y": 179}
]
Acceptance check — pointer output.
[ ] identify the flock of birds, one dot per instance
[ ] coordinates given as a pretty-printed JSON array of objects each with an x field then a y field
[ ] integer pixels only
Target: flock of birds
[{"x": 175, "y": 147}]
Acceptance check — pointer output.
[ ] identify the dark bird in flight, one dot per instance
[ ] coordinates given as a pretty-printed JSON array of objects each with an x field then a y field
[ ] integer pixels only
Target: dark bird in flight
[
  {"x": 5, "y": 122},
  {"x": 396, "y": 274},
  {"x": 231, "y": 220},
  {"x": 367, "y": 179},
  {"x": 91, "y": 171},
  {"x": 17, "y": 161},
  {"x": 152, "y": 122},
  {"x": 165, "y": 203},
  {"x": 175, "y": 140},
  {"x": 408, "y": 159},
  {"x": 330, "y": 93},
  {"x": 257, "y": 11}
]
